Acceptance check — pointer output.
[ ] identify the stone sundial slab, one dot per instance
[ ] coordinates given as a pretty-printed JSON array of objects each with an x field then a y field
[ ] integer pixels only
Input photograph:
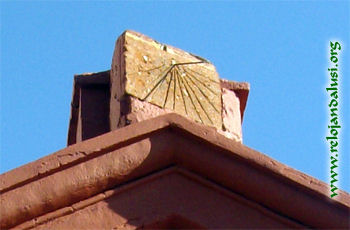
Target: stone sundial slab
[{"x": 169, "y": 78}]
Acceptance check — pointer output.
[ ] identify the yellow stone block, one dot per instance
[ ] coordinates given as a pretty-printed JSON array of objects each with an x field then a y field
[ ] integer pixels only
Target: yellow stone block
[{"x": 169, "y": 78}]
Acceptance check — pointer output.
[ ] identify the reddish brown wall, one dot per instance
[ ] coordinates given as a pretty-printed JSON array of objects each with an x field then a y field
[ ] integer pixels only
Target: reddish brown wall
[
  {"x": 52, "y": 186},
  {"x": 94, "y": 105},
  {"x": 172, "y": 192}
]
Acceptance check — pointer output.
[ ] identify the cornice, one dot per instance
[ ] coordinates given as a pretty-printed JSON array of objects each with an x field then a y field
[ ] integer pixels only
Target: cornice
[{"x": 107, "y": 161}]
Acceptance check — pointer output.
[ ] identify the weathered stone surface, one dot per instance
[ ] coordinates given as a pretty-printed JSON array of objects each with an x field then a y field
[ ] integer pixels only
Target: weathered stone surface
[
  {"x": 87, "y": 114},
  {"x": 167, "y": 77},
  {"x": 232, "y": 128},
  {"x": 159, "y": 79},
  {"x": 241, "y": 90},
  {"x": 142, "y": 110},
  {"x": 231, "y": 115}
]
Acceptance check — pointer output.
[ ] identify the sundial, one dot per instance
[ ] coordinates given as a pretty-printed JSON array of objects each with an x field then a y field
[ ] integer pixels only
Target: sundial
[{"x": 172, "y": 79}]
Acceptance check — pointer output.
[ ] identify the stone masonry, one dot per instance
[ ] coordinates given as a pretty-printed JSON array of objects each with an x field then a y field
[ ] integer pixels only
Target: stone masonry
[{"x": 149, "y": 79}]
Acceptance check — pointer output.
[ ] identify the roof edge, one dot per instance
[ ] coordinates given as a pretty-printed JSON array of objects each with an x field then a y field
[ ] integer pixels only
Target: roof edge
[
  {"x": 40, "y": 167},
  {"x": 143, "y": 180},
  {"x": 15, "y": 180}
]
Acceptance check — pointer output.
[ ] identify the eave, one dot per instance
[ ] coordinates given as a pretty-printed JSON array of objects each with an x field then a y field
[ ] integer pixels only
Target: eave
[{"x": 110, "y": 160}]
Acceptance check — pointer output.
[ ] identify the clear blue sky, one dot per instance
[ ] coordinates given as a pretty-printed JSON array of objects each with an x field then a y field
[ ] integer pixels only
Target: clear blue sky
[{"x": 280, "y": 48}]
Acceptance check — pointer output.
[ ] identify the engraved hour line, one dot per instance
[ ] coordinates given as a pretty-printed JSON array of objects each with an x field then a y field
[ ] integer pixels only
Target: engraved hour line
[
  {"x": 177, "y": 78},
  {"x": 158, "y": 83},
  {"x": 189, "y": 78},
  {"x": 183, "y": 99},
  {"x": 181, "y": 89},
  {"x": 200, "y": 103},
  {"x": 147, "y": 70},
  {"x": 174, "y": 92},
  {"x": 165, "y": 75},
  {"x": 172, "y": 65},
  {"x": 167, "y": 92},
  {"x": 191, "y": 75},
  {"x": 152, "y": 68},
  {"x": 188, "y": 63},
  {"x": 203, "y": 77},
  {"x": 159, "y": 78},
  {"x": 188, "y": 92}
]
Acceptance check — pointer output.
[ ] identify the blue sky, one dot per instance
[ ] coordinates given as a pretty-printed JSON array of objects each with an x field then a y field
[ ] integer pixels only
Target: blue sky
[{"x": 280, "y": 47}]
